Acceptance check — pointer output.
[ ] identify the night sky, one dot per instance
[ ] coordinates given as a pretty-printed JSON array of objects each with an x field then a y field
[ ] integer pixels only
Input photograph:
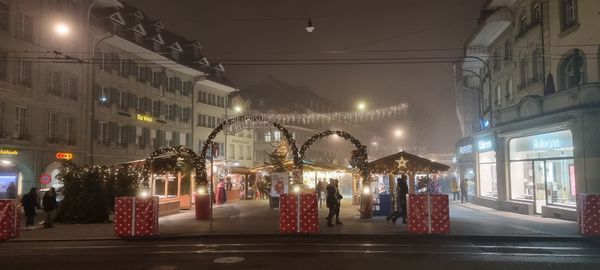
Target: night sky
[{"x": 267, "y": 30}]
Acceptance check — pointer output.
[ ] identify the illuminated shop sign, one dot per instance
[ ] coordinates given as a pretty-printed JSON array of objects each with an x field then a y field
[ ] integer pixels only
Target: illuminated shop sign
[
  {"x": 465, "y": 149},
  {"x": 487, "y": 143},
  {"x": 144, "y": 118},
  {"x": 9, "y": 152},
  {"x": 64, "y": 155},
  {"x": 554, "y": 140}
]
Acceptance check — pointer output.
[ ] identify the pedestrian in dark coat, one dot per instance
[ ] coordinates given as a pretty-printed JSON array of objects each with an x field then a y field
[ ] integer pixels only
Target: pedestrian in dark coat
[
  {"x": 50, "y": 204},
  {"x": 30, "y": 204},
  {"x": 401, "y": 191},
  {"x": 11, "y": 190},
  {"x": 333, "y": 203}
]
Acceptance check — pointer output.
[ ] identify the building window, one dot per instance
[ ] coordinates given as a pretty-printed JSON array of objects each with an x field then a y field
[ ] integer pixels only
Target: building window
[
  {"x": 26, "y": 32},
  {"x": 508, "y": 50},
  {"x": 498, "y": 95},
  {"x": 25, "y": 73},
  {"x": 3, "y": 65},
  {"x": 52, "y": 127},
  {"x": 103, "y": 132},
  {"x": 510, "y": 90},
  {"x": 523, "y": 24},
  {"x": 536, "y": 14},
  {"x": 568, "y": 10},
  {"x": 248, "y": 153},
  {"x": 232, "y": 151},
  {"x": 21, "y": 123},
  {"x": 277, "y": 135},
  {"x": 70, "y": 131},
  {"x": 542, "y": 169},
  {"x": 72, "y": 86},
  {"x": 524, "y": 71},
  {"x": 497, "y": 59},
  {"x": 123, "y": 68},
  {"x": 268, "y": 136},
  {"x": 572, "y": 71},
  {"x": 55, "y": 83},
  {"x": 4, "y": 11},
  {"x": 538, "y": 66}
]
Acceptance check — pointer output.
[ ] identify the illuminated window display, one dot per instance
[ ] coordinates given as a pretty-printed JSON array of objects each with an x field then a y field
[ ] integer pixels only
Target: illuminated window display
[
  {"x": 542, "y": 169},
  {"x": 488, "y": 182}
]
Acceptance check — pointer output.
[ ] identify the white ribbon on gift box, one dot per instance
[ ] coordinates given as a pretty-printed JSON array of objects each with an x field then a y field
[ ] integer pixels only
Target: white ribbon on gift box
[{"x": 133, "y": 216}]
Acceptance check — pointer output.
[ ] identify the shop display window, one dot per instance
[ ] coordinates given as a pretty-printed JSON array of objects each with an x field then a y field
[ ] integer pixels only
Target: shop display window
[{"x": 488, "y": 181}]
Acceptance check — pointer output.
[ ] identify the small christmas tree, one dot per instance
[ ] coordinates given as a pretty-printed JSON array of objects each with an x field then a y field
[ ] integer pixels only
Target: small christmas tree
[
  {"x": 427, "y": 185},
  {"x": 278, "y": 157}
]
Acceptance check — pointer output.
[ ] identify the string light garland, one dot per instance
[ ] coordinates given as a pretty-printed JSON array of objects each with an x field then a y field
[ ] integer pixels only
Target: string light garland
[
  {"x": 201, "y": 174},
  {"x": 314, "y": 117},
  {"x": 359, "y": 156}
]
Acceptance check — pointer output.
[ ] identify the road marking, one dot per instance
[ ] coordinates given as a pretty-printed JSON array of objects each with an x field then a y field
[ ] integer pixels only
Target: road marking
[{"x": 229, "y": 260}]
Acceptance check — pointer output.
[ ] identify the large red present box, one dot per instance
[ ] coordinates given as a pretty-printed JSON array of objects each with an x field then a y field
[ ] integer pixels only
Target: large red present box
[
  {"x": 202, "y": 207},
  {"x": 136, "y": 217},
  {"x": 10, "y": 219},
  {"x": 428, "y": 213},
  {"x": 288, "y": 213},
  {"x": 588, "y": 214}
]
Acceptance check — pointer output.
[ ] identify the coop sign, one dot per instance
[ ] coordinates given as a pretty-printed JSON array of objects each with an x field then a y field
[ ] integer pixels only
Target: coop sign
[
  {"x": 465, "y": 149},
  {"x": 64, "y": 155},
  {"x": 144, "y": 118},
  {"x": 9, "y": 152}
]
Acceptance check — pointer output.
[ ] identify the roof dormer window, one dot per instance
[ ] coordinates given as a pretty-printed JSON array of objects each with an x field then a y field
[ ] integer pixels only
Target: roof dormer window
[
  {"x": 139, "y": 15},
  {"x": 176, "y": 50},
  {"x": 204, "y": 61}
]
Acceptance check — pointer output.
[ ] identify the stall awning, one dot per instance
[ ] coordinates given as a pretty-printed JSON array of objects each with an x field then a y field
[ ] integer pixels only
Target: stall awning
[
  {"x": 308, "y": 166},
  {"x": 404, "y": 162}
]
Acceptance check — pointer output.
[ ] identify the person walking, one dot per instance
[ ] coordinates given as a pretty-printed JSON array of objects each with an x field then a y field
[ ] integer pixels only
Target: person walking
[
  {"x": 11, "y": 191},
  {"x": 455, "y": 189},
  {"x": 30, "y": 204},
  {"x": 333, "y": 203},
  {"x": 319, "y": 191},
  {"x": 49, "y": 204},
  {"x": 401, "y": 191},
  {"x": 463, "y": 191}
]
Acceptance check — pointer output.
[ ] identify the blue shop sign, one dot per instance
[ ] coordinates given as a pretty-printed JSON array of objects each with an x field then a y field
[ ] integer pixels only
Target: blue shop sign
[
  {"x": 464, "y": 146},
  {"x": 486, "y": 143}
]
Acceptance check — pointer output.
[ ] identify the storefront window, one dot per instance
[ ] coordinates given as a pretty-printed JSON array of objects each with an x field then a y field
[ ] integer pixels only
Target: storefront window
[
  {"x": 542, "y": 169},
  {"x": 560, "y": 179},
  {"x": 487, "y": 175},
  {"x": 521, "y": 180}
]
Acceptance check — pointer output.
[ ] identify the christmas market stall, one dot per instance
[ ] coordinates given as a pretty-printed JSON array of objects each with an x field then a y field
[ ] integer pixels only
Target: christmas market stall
[
  {"x": 170, "y": 178},
  {"x": 384, "y": 170}
]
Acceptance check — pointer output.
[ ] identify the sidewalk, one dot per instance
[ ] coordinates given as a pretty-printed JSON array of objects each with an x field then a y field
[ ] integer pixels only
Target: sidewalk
[{"x": 255, "y": 217}]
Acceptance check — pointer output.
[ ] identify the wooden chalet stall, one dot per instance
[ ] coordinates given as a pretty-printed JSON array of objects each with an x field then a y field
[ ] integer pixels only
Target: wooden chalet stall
[{"x": 385, "y": 170}]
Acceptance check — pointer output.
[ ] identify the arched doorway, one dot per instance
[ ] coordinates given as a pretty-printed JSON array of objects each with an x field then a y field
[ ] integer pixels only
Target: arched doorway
[{"x": 201, "y": 175}]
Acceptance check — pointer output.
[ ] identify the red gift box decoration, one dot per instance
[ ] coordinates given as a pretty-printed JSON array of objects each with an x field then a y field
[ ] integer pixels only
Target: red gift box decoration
[
  {"x": 428, "y": 213},
  {"x": 136, "y": 217},
  {"x": 588, "y": 214},
  {"x": 10, "y": 219},
  {"x": 289, "y": 214},
  {"x": 202, "y": 207}
]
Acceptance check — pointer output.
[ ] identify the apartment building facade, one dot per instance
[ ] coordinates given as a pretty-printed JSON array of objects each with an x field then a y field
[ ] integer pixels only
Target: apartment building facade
[
  {"x": 113, "y": 94},
  {"x": 535, "y": 69}
]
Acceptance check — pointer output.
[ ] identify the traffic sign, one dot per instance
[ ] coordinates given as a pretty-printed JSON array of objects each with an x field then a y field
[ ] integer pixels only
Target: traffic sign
[{"x": 45, "y": 179}]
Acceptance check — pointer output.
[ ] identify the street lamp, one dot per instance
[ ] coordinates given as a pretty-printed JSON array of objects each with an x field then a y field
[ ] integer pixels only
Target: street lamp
[
  {"x": 238, "y": 109},
  {"x": 398, "y": 133},
  {"x": 361, "y": 106},
  {"x": 62, "y": 29}
]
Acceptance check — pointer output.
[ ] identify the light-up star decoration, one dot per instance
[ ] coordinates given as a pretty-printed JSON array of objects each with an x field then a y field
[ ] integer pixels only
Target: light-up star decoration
[{"x": 402, "y": 163}]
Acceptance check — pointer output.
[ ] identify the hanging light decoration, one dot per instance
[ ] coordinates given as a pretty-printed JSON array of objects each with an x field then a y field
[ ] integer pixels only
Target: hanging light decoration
[{"x": 310, "y": 28}]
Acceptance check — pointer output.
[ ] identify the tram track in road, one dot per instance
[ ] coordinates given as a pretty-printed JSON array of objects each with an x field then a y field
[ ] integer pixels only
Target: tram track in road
[{"x": 302, "y": 246}]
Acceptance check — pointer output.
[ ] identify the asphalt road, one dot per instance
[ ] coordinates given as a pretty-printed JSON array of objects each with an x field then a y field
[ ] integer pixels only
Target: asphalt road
[{"x": 306, "y": 252}]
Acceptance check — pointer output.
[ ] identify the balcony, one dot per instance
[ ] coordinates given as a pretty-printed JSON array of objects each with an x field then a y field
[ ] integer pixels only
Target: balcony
[{"x": 534, "y": 105}]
